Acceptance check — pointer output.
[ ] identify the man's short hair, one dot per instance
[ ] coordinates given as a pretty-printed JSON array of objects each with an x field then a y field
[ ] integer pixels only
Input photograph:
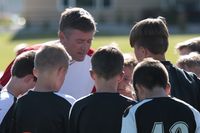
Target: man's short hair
[
  {"x": 107, "y": 62},
  {"x": 150, "y": 73},
  {"x": 51, "y": 56},
  {"x": 150, "y": 33},
  {"x": 23, "y": 64},
  {"x": 192, "y": 45},
  {"x": 76, "y": 18}
]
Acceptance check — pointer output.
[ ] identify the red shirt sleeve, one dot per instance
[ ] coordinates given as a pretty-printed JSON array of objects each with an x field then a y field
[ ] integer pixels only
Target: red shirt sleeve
[
  {"x": 90, "y": 53},
  {"x": 7, "y": 73}
]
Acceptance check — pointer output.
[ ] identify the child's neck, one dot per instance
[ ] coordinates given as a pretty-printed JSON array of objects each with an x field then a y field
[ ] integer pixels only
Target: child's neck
[
  {"x": 43, "y": 86},
  {"x": 106, "y": 90},
  {"x": 106, "y": 86},
  {"x": 13, "y": 87}
]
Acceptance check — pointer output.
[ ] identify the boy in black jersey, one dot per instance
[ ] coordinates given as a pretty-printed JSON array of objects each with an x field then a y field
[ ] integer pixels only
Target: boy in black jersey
[
  {"x": 21, "y": 81},
  {"x": 157, "y": 112},
  {"x": 149, "y": 37},
  {"x": 102, "y": 111},
  {"x": 41, "y": 110}
]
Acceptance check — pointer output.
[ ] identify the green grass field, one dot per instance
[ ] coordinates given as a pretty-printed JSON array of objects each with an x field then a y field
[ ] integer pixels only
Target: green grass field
[{"x": 7, "y": 45}]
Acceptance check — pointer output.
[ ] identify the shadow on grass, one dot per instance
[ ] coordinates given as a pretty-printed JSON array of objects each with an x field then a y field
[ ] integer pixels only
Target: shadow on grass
[{"x": 33, "y": 34}]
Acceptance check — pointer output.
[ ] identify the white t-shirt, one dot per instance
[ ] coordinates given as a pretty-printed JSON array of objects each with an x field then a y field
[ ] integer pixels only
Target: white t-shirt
[
  {"x": 78, "y": 82},
  {"x": 69, "y": 98},
  {"x": 6, "y": 101}
]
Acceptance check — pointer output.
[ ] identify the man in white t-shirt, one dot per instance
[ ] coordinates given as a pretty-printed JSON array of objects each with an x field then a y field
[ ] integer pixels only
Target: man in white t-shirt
[{"x": 76, "y": 31}]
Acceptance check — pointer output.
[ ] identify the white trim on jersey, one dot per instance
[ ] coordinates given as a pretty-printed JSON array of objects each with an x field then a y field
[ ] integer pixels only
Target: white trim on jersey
[
  {"x": 129, "y": 122},
  {"x": 69, "y": 98},
  {"x": 195, "y": 113},
  {"x": 78, "y": 82},
  {"x": 6, "y": 101}
]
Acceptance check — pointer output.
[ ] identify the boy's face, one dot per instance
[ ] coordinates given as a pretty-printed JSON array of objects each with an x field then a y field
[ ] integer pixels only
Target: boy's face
[
  {"x": 77, "y": 43},
  {"x": 127, "y": 79},
  {"x": 125, "y": 85}
]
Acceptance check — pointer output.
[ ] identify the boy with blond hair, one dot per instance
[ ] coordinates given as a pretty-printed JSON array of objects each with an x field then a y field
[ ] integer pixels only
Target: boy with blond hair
[
  {"x": 42, "y": 110},
  {"x": 125, "y": 85}
]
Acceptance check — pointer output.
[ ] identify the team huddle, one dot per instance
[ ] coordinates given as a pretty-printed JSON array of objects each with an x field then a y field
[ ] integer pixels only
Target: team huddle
[{"x": 64, "y": 86}]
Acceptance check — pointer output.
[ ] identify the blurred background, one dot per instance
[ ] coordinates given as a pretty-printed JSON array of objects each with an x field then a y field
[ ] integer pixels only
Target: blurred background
[{"x": 113, "y": 16}]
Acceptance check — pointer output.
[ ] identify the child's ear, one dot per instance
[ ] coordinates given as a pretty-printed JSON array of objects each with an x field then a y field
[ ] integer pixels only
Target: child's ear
[
  {"x": 168, "y": 89},
  {"x": 61, "y": 70},
  {"x": 146, "y": 52},
  {"x": 121, "y": 76},
  {"x": 140, "y": 92},
  {"x": 92, "y": 74},
  {"x": 61, "y": 36},
  {"x": 35, "y": 72},
  {"x": 28, "y": 78}
]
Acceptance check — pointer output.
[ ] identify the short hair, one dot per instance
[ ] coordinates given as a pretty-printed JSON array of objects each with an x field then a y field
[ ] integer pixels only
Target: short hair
[
  {"x": 51, "y": 56},
  {"x": 129, "y": 60},
  {"x": 76, "y": 18},
  {"x": 23, "y": 64},
  {"x": 107, "y": 62},
  {"x": 191, "y": 60},
  {"x": 150, "y": 73},
  {"x": 192, "y": 44},
  {"x": 150, "y": 33}
]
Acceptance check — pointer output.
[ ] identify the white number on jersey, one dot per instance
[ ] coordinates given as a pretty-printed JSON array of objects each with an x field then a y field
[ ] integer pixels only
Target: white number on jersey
[{"x": 178, "y": 127}]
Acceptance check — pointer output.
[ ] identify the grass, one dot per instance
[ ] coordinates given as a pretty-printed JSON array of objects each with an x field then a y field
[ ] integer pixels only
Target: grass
[{"x": 7, "y": 44}]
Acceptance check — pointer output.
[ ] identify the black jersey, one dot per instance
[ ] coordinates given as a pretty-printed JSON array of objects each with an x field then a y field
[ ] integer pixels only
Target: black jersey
[
  {"x": 41, "y": 112},
  {"x": 98, "y": 113},
  {"x": 161, "y": 115},
  {"x": 184, "y": 85}
]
